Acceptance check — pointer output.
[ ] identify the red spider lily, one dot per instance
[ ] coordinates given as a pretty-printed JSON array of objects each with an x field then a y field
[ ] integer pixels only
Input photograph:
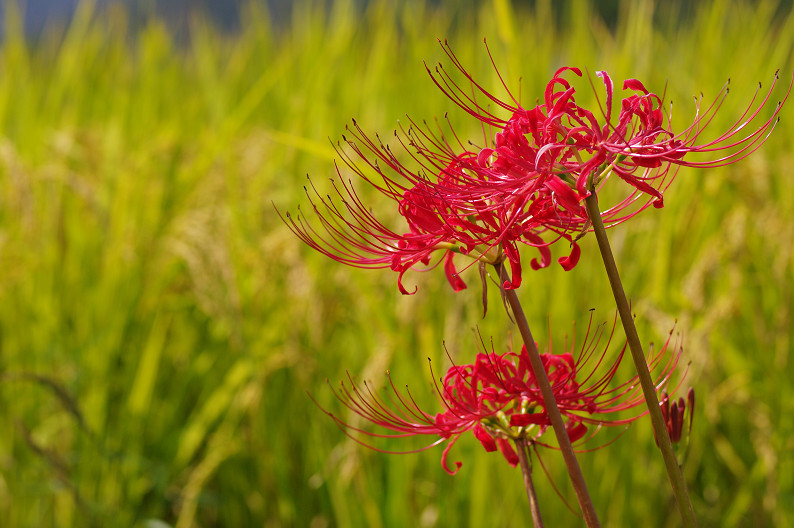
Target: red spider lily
[
  {"x": 525, "y": 186},
  {"x": 557, "y": 150},
  {"x": 351, "y": 234},
  {"x": 497, "y": 398}
]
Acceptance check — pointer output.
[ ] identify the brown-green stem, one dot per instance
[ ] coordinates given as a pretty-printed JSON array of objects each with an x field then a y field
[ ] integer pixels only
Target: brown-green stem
[
  {"x": 526, "y": 471},
  {"x": 571, "y": 463},
  {"x": 648, "y": 388}
]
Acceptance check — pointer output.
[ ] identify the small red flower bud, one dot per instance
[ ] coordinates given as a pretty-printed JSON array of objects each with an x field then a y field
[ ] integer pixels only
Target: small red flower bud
[{"x": 674, "y": 415}]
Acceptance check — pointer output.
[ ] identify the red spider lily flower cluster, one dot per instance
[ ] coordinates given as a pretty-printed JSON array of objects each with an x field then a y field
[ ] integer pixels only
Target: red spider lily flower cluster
[
  {"x": 497, "y": 398},
  {"x": 526, "y": 185}
]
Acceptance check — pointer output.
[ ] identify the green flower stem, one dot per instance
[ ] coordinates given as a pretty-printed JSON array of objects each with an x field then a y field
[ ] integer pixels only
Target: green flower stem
[
  {"x": 526, "y": 470},
  {"x": 585, "y": 503},
  {"x": 648, "y": 388}
]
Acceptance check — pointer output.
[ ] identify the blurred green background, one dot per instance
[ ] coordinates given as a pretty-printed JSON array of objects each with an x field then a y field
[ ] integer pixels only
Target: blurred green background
[{"x": 160, "y": 326}]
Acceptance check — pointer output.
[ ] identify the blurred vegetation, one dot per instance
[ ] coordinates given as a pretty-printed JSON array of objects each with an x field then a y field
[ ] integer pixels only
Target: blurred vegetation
[{"x": 160, "y": 326}]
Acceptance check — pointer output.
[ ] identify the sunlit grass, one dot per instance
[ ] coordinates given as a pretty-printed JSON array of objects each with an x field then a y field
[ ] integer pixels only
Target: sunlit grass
[{"x": 159, "y": 326}]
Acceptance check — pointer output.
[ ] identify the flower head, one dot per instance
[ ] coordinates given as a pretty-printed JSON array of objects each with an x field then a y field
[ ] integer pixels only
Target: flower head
[
  {"x": 524, "y": 186},
  {"x": 497, "y": 398},
  {"x": 548, "y": 158}
]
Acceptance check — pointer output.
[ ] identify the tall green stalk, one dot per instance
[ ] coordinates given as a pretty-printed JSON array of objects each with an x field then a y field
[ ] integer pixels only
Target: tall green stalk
[
  {"x": 571, "y": 463},
  {"x": 526, "y": 472},
  {"x": 648, "y": 388}
]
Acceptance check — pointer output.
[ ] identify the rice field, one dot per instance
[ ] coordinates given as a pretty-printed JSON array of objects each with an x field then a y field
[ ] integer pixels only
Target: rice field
[{"x": 160, "y": 326}]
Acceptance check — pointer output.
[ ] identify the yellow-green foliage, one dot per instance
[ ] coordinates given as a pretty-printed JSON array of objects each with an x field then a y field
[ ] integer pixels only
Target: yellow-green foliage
[{"x": 160, "y": 326}]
